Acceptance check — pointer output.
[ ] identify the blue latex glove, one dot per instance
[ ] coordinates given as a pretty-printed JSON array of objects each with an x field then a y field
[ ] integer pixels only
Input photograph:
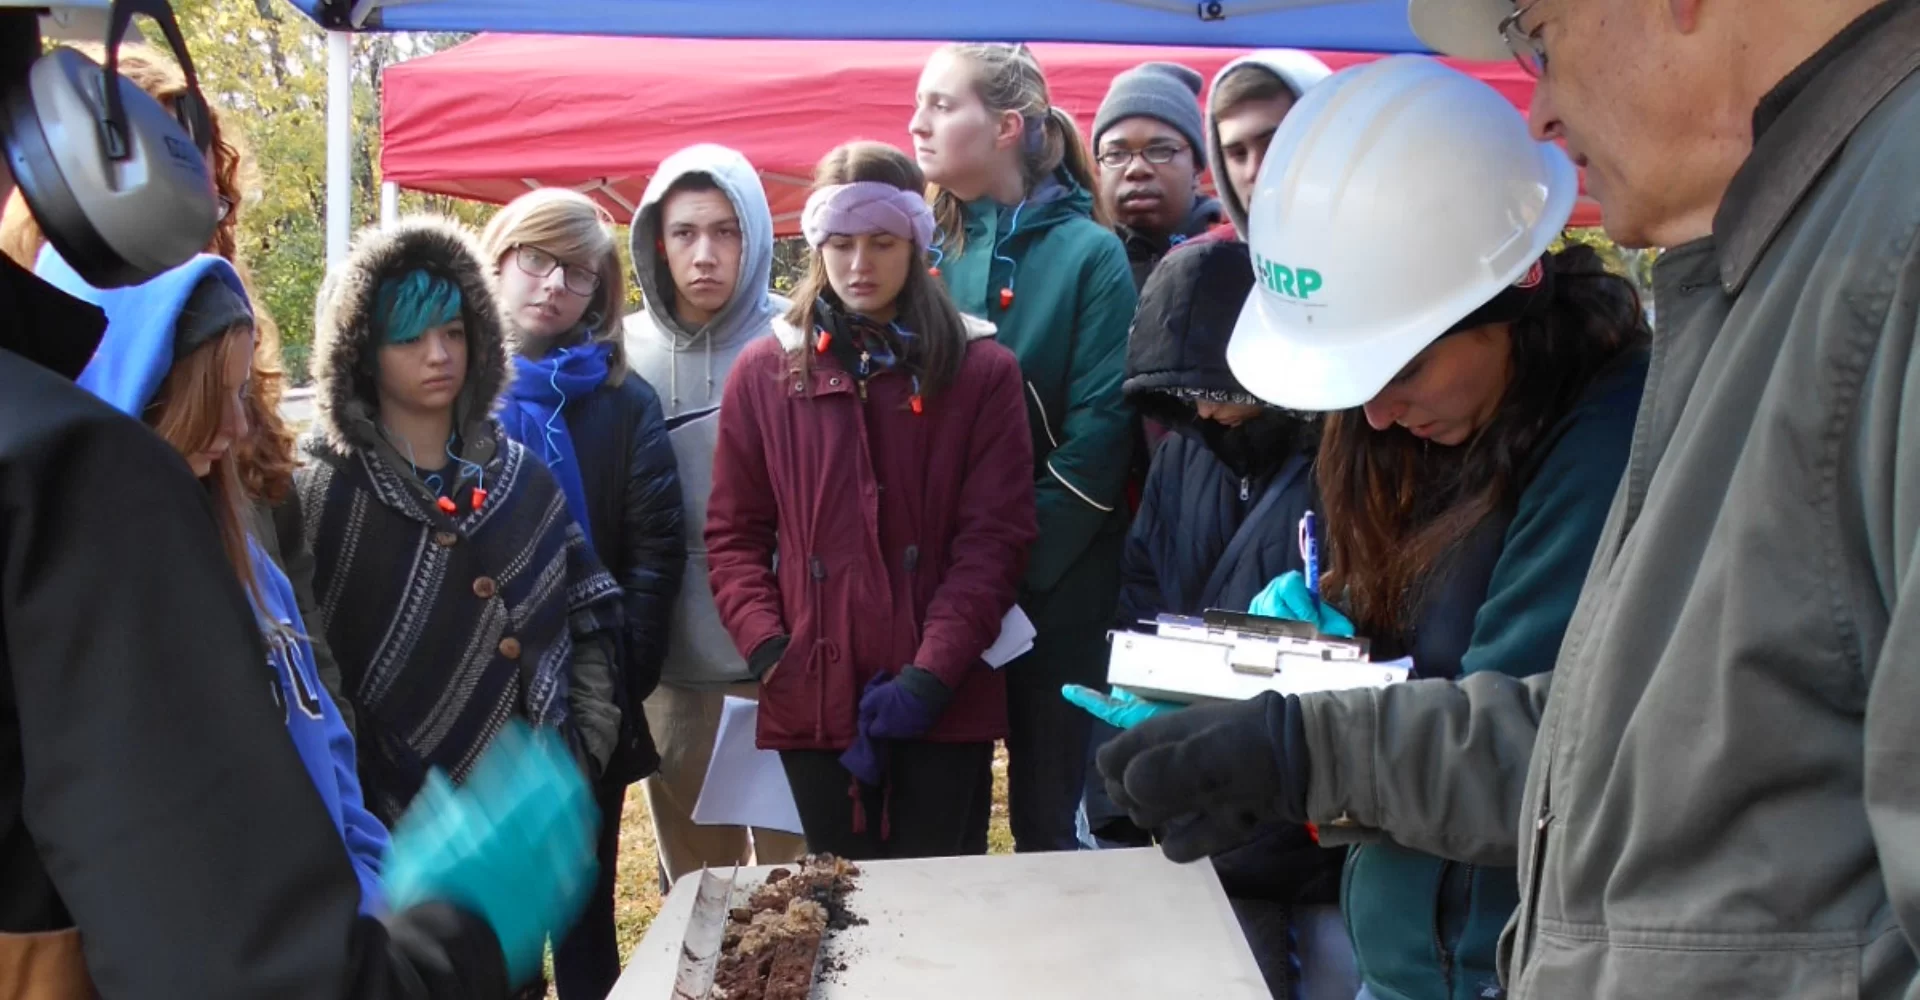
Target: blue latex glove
[
  {"x": 514, "y": 845},
  {"x": 1287, "y": 597},
  {"x": 1122, "y": 710}
]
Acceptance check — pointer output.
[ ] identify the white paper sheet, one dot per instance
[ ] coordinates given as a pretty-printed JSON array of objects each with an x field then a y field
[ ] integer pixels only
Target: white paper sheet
[
  {"x": 745, "y": 785},
  {"x": 1016, "y": 637}
]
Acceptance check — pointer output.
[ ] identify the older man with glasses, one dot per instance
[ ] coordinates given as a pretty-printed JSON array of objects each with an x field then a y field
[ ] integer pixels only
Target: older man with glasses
[{"x": 1724, "y": 792}]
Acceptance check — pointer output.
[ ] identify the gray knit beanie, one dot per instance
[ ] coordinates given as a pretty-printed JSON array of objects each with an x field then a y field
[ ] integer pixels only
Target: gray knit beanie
[{"x": 1165, "y": 91}]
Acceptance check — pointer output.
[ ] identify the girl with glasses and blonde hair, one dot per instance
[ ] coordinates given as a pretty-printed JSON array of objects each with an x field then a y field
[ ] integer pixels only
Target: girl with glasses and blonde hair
[{"x": 599, "y": 428}]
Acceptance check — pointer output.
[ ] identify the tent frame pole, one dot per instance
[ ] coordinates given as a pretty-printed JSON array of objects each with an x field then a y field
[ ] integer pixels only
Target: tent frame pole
[{"x": 339, "y": 145}]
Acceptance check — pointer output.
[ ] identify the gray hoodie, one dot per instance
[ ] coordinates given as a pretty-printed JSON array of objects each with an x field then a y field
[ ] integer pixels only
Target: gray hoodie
[
  {"x": 689, "y": 369},
  {"x": 1298, "y": 70}
]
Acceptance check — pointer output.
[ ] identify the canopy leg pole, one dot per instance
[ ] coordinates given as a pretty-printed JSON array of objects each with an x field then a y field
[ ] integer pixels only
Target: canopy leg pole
[
  {"x": 389, "y": 203},
  {"x": 339, "y": 145}
]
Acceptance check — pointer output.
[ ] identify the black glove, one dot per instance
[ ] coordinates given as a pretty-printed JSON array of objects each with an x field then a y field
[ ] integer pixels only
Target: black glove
[
  {"x": 1208, "y": 777},
  {"x": 767, "y": 655}
]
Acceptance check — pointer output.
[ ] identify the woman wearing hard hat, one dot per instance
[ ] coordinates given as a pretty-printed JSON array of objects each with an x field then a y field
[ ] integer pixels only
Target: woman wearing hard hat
[{"x": 1481, "y": 395}]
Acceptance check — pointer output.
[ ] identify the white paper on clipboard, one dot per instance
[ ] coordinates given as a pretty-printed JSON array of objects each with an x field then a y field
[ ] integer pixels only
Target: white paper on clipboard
[
  {"x": 1016, "y": 637},
  {"x": 745, "y": 785}
]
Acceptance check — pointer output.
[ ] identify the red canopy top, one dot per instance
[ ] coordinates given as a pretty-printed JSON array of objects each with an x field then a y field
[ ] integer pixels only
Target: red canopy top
[{"x": 502, "y": 114}]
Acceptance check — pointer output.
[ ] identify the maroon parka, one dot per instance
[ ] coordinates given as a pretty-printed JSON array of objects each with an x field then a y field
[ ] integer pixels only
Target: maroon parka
[{"x": 900, "y": 537}]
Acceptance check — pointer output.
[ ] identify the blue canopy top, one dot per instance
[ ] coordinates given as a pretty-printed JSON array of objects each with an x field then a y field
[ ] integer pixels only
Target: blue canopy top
[{"x": 1350, "y": 25}]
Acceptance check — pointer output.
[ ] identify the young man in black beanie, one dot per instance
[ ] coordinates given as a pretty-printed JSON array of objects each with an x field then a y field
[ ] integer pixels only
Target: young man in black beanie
[{"x": 1150, "y": 140}]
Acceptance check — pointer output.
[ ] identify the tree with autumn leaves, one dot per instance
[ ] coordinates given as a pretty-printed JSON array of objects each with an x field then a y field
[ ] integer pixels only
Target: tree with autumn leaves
[{"x": 264, "y": 66}]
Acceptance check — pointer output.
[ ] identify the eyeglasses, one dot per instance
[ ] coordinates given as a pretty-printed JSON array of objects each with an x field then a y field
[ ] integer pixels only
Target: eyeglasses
[
  {"x": 539, "y": 263},
  {"x": 1158, "y": 154},
  {"x": 1528, "y": 48}
]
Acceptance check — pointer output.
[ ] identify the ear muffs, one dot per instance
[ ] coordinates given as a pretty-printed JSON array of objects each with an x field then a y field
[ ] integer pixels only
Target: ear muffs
[{"x": 120, "y": 187}]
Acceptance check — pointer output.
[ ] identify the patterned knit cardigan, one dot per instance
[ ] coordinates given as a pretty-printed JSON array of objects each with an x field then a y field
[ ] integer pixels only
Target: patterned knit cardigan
[{"x": 446, "y": 626}]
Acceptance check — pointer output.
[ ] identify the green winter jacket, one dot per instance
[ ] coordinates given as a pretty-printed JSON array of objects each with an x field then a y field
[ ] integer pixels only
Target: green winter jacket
[
  {"x": 1425, "y": 927},
  {"x": 1072, "y": 305}
]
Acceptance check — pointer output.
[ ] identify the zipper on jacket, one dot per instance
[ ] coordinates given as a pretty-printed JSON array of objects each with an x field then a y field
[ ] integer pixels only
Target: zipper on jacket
[
  {"x": 912, "y": 558},
  {"x": 1246, "y": 489},
  {"x": 860, "y": 379},
  {"x": 1440, "y": 946},
  {"x": 1530, "y": 907},
  {"x": 817, "y": 569}
]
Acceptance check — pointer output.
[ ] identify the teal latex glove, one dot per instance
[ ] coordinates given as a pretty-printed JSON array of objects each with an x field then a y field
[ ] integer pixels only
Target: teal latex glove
[
  {"x": 1121, "y": 710},
  {"x": 1287, "y": 597},
  {"x": 514, "y": 845}
]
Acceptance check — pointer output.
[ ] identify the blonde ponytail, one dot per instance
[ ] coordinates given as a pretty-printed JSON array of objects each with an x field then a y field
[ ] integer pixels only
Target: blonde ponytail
[
  {"x": 1077, "y": 159},
  {"x": 1008, "y": 78}
]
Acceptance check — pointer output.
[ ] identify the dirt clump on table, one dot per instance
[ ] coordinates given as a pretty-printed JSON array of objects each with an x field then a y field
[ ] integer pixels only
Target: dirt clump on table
[{"x": 772, "y": 944}]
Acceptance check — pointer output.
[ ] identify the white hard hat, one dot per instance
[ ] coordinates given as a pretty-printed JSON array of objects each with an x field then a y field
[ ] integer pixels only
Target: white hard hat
[{"x": 1397, "y": 198}]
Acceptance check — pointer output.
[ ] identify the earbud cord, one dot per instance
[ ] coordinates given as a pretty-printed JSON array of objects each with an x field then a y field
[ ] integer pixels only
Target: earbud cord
[
  {"x": 1013, "y": 226},
  {"x": 552, "y": 451}
]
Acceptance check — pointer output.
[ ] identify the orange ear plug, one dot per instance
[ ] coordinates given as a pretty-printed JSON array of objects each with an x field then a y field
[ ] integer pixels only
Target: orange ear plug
[
  {"x": 479, "y": 497},
  {"x": 822, "y": 342},
  {"x": 446, "y": 506},
  {"x": 1006, "y": 298}
]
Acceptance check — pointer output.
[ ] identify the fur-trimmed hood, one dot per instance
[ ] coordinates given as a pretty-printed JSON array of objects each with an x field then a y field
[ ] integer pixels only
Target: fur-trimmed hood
[{"x": 345, "y": 351}]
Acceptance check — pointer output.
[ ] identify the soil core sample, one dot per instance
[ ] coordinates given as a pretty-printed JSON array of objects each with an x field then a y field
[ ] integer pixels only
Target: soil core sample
[{"x": 772, "y": 944}]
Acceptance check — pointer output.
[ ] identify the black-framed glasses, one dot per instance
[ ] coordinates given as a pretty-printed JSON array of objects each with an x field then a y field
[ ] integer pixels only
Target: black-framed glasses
[
  {"x": 1158, "y": 154},
  {"x": 539, "y": 263},
  {"x": 1528, "y": 48}
]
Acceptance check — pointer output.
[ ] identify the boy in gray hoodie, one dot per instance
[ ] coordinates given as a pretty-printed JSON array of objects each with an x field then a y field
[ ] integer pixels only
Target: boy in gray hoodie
[{"x": 703, "y": 256}]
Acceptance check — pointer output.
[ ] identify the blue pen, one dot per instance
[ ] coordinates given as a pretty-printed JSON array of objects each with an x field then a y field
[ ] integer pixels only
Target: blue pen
[{"x": 1310, "y": 552}]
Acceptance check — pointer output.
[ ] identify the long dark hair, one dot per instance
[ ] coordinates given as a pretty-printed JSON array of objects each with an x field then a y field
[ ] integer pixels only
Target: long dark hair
[
  {"x": 1395, "y": 508},
  {"x": 1008, "y": 78},
  {"x": 939, "y": 334}
]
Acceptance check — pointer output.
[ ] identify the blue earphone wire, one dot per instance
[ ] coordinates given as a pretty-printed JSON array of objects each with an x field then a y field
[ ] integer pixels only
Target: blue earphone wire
[
  {"x": 1012, "y": 227},
  {"x": 433, "y": 480},
  {"x": 550, "y": 450}
]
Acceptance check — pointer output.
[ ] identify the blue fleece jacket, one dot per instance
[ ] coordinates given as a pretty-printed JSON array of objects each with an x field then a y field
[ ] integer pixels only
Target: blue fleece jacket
[{"x": 126, "y": 371}]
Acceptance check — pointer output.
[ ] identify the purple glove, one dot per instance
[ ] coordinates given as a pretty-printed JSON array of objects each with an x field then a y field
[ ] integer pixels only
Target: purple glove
[
  {"x": 904, "y": 709},
  {"x": 893, "y": 708},
  {"x": 865, "y": 758}
]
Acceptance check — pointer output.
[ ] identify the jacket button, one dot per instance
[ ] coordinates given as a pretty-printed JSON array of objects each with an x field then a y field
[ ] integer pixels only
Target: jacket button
[
  {"x": 835, "y": 381},
  {"x": 510, "y": 648},
  {"x": 796, "y": 387},
  {"x": 445, "y": 539},
  {"x": 484, "y": 588}
]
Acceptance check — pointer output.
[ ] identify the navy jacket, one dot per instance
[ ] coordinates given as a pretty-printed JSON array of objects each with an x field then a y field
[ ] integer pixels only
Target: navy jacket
[
  {"x": 1220, "y": 513},
  {"x": 632, "y": 487}
]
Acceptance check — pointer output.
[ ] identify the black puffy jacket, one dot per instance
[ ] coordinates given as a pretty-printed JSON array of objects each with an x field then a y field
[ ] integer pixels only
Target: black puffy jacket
[
  {"x": 1219, "y": 517},
  {"x": 632, "y": 486}
]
